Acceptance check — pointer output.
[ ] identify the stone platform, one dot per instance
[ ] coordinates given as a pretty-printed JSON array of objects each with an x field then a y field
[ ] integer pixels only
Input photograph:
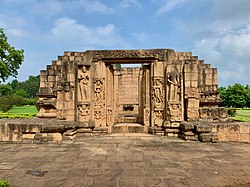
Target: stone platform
[
  {"x": 126, "y": 161},
  {"x": 55, "y": 131},
  {"x": 129, "y": 128}
]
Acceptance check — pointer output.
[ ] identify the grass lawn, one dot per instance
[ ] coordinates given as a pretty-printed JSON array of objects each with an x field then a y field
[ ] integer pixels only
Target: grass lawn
[
  {"x": 31, "y": 109},
  {"x": 242, "y": 115}
]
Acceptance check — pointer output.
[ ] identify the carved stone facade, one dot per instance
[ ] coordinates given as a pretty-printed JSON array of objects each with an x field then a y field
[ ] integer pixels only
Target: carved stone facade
[{"x": 169, "y": 88}]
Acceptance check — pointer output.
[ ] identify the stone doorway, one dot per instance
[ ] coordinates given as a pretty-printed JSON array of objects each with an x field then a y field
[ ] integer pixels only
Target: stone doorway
[{"x": 128, "y": 97}]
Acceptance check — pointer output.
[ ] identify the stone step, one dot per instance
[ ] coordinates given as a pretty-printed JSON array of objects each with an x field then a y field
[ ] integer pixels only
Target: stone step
[
  {"x": 128, "y": 119},
  {"x": 129, "y": 128}
]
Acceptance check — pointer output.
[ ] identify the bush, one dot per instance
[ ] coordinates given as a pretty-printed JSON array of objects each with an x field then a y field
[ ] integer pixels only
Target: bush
[
  {"x": 29, "y": 101},
  {"x": 4, "y": 183},
  {"x": 6, "y": 103},
  {"x": 231, "y": 112}
]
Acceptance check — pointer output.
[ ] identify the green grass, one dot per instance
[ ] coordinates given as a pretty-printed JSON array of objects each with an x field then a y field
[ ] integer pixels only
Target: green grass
[
  {"x": 31, "y": 109},
  {"x": 20, "y": 112},
  {"x": 242, "y": 115}
]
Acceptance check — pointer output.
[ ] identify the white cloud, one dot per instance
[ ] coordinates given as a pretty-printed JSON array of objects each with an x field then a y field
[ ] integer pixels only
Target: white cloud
[
  {"x": 128, "y": 3},
  {"x": 69, "y": 33},
  {"x": 92, "y": 6},
  {"x": 169, "y": 5},
  {"x": 14, "y": 25},
  {"x": 230, "y": 52}
]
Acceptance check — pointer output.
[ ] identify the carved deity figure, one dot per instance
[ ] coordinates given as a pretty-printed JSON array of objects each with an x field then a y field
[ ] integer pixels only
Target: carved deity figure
[
  {"x": 84, "y": 110},
  {"x": 83, "y": 84},
  {"x": 173, "y": 84},
  {"x": 98, "y": 91},
  {"x": 158, "y": 92}
]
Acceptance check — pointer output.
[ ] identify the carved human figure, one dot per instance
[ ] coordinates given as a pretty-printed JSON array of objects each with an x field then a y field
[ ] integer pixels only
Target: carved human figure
[
  {"x": 158, "y": 92},
  {"x": 98, "y": 91},
  {"x": 173, "y": 84},
  {"x": 83, "y": 84}
]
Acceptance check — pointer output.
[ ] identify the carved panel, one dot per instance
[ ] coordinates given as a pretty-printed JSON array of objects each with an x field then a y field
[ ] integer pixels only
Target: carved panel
[
  {"x": 83, "y": 111},
  {"x": 83, "y": 83},
  {"x": 158, "y": 93},
  {"x": 173, "y": 84},
  {"x": 174, "y": 111},
  {"x": 99, "y": 98}
]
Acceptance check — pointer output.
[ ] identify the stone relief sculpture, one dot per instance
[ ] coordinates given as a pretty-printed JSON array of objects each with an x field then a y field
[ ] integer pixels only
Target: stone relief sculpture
[
  {"x": 83, "y": 110},
  {"x": 99, "y": 99},
  {"x": 174, "y": 111},
  {"x": 83, "y": 84},
  {"x": 158, "y": 92},
  {"x": 98, "y": 91},
  {"x": 173, "y": 84}
]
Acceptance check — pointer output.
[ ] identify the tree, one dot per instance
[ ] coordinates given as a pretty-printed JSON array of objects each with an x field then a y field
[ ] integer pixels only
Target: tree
[
  {"x": 31, "y": 86},
  {"x": 5, "y": 89},
  {"x": 10, "y": 58},
  {"x": 235, "y": 96}
]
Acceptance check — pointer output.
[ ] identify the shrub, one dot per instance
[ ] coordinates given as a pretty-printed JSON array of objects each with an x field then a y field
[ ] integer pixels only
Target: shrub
[
  {"x": 6, "y": 103},
  {"x": 4, "y": 183},
  {"x": 231, "y": 112}
]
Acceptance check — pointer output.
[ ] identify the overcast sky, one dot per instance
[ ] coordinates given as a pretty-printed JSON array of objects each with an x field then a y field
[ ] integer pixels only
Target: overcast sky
[{"x": 217, "y": 31}]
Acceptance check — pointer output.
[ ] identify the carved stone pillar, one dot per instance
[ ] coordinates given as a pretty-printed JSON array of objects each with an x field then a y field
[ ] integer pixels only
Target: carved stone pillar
[
  {"x": 99, "y": 92},
  {"x": 157, "y": 94},
  {"x": 191, "y": 89},
  {"x": 146, "y": 97},
  {"x": 109, "y": 96},
  {"x": 174, "y": 92}
]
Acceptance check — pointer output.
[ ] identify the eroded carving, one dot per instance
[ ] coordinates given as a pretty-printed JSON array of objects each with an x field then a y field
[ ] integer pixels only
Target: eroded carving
[
  {"x": 99, "y": 99},
  {"x": 173, "y": 82},
  {"x": 158, "y": 92},
  {"x": 174, "y": 112},
  {"x": 83, "y": 109},
  {"x": 109, "y": 115},
  {"x": 83, "y": 84}
]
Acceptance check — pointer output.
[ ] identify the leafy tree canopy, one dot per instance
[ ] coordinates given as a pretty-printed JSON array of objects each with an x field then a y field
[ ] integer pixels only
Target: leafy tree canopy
[
  {"x": 10, "y": 58},
  {"x": 235, "y": 96}
]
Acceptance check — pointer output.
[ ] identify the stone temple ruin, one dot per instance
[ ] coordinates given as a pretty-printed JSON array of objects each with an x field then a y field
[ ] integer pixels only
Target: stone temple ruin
[
  {"x": 88, "y": 93},
  {"x": 168, "y": 89}
]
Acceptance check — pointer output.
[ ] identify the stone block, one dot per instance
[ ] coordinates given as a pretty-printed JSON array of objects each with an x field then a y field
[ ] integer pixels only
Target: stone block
[
  {"x": 84, "y": 130},
  {"x": 189, "y": 133},
  {"x": 234, "y": 128},
  {"x": 202, "y": 128},
  {"x": 187, "y": 126},
  {"x": 54, "y": 137},
  {"x": 175, "y": 125},
  {"x": 244, "y": 138},
  {"x": 232, "y": 137},
  {"x": 245, "y": 128},
  {"x": 191, "y": 138},
  {"x": 70, "y": 132},
  {"x": 28, "y": 136},
  {"x": 208, "y": 137},
  {"x": 172, "y": 130}
]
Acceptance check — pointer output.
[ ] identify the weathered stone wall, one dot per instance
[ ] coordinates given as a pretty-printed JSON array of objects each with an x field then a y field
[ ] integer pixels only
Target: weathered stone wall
[{"x": 128, "y": 91}]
